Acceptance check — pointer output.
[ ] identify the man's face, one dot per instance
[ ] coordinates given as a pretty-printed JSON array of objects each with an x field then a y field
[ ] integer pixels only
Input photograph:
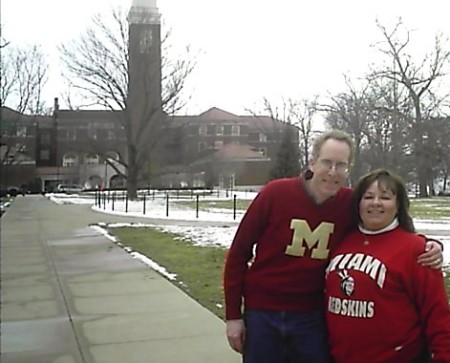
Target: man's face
[{"x": 330, "y": 169}]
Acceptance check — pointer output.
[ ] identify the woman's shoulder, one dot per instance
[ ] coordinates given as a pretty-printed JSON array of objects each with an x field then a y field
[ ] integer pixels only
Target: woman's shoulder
[{"x": 414, "y": 241}]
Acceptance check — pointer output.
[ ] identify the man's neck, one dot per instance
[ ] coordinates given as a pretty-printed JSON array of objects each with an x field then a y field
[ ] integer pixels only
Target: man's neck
[{"x": 312, "y": 192}]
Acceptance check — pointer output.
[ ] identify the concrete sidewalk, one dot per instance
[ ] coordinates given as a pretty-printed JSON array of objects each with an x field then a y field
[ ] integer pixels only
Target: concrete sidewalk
[{"x": 69, "y": 295}]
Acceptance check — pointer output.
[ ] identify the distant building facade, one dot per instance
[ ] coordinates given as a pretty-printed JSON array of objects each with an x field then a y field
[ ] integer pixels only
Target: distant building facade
[{"x": 89, "y": 147}]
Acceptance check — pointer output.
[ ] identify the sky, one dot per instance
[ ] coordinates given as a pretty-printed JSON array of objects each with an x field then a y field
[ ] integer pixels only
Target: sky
[
  {"x": 199, "y": 232},
  {"x": 247, "y": 49}
]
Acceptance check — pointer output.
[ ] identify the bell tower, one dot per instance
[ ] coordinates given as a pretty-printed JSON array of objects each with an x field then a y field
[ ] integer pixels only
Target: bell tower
[{"x": 144, "y": 78}]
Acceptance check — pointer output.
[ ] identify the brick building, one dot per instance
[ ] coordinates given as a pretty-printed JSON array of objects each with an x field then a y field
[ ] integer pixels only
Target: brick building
[{"x": 88, "y": 147}]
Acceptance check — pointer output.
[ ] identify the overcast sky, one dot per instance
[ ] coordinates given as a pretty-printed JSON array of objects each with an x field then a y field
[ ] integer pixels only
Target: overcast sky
[{"x": 249, "y": 49}]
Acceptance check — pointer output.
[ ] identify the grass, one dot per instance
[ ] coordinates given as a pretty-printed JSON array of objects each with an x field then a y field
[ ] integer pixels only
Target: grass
[
  {"x": 199, "y": 269},
  {"x": 430, "y": 208},
  {"x": 447, "y": 281}
]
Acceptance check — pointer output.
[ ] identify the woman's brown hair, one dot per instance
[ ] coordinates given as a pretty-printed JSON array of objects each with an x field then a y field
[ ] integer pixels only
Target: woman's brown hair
[{"x": 389, "y": 181}]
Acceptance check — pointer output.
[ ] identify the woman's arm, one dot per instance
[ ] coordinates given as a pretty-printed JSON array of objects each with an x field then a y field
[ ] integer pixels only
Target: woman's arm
[{"x": 430, "y": 296}]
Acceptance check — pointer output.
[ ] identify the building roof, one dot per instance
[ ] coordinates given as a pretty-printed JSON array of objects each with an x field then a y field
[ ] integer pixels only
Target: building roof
[
  {"x": 85, "y": 115},
  {"x": 215, "y": 113},
  {"x": 11, "y": 117}
]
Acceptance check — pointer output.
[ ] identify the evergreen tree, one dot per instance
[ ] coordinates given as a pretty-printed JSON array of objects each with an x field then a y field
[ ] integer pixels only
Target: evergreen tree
[{"x": 288, "y": 156}]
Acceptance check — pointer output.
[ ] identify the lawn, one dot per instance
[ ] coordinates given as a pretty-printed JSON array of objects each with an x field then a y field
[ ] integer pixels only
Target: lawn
[
  {"x": 199, "y": 269},
  {"x": 430, "y": 208}
]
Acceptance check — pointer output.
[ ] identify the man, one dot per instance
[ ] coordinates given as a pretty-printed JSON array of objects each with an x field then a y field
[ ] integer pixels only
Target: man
[{"x": 287, "y": 233}]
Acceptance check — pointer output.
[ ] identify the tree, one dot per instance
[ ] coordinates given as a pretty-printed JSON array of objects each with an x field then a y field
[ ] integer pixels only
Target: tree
[
  {"x": 421, "y": 81},
  {"x": 352, "y": 111},
  {"x": 301, "y": 114},
  {"x": 99, "y": 66},
  {"x": 23, "y": 74},
  {"x": 288, "y": 157}
]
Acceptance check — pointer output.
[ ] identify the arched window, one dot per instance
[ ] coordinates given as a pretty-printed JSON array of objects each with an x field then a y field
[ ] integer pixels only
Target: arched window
[
  {"x": 112, "y": 156},
  {"x": 70, "y": 160},
  {"x": 91, "y": 159}
]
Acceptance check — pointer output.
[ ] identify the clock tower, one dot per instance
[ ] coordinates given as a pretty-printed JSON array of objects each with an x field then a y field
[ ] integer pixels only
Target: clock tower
[{"x": 144, "y": 68}]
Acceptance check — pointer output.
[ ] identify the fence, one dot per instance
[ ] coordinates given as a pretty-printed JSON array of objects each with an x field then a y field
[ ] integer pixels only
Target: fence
[{"x": 119, "y": 201}]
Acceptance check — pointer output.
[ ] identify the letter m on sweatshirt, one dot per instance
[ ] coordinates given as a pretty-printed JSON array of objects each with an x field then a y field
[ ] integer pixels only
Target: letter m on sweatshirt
[{"x": 317, "y": 240}]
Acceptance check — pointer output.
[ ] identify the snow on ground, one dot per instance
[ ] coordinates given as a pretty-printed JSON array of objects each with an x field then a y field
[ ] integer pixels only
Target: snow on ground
[{"x": 156, "y": 208}]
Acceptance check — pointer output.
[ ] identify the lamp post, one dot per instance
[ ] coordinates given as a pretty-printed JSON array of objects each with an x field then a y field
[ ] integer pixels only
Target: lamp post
[
  {"x": 55, "y": 120},
  {"x": 105, "y": 180}
]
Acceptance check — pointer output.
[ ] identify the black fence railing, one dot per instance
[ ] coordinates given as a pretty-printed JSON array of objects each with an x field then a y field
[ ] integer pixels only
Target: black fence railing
[{"x": 111, "y": 199}]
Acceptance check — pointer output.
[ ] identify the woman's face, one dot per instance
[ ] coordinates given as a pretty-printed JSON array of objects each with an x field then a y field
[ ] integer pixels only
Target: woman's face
[{"x": 377, "y": 207}]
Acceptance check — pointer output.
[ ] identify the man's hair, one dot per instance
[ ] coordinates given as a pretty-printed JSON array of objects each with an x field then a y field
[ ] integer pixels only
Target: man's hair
[
  {"x": 389, "y": 181},
  {"x": 338, "y": 135}
]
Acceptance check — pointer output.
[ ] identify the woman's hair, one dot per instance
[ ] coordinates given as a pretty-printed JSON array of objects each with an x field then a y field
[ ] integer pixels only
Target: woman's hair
[
  {"x": 389, "y": 181},
  {"x": 338, "y": 135}
]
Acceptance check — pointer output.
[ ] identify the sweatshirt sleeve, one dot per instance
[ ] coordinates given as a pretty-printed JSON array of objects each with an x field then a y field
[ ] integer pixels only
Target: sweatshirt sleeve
[
  {"x": 429, "y": 293},
  {"x": 241, "y": 252}
]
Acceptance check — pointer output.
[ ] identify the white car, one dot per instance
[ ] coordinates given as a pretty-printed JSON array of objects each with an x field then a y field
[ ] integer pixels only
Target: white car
[{"x": 69, "y": 188}]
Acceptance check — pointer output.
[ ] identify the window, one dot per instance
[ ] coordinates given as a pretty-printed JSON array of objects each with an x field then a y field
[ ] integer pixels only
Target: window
[
  {"x": 45, "y": 154},
  {"x": 112, "y": 156},
  {"x": 111, "y": 135},
  {"x": 261, "y": 150},
  {"x": 219, "y": 130},
  {"x": 218, "y": 144},
  {"x": 262, "y": 137},
  {"x": 70, "y": 160},
  {"x": 45, "y": 138},
  {"x": 71, "y": 134},
  {"x": 145, "y": 43},
  {"x": 92, "y": 134},
  {"x": 91, "y": 159},
  {"x": 202, "y": 130},
  {"x": 235, "y": 130},
  {"x": 201, "y": 146},
  {"x": 21, "y": 131}
]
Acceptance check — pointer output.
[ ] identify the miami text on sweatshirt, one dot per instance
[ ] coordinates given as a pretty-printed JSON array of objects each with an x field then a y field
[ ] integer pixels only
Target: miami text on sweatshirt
[{"x": 382, "y": 306}]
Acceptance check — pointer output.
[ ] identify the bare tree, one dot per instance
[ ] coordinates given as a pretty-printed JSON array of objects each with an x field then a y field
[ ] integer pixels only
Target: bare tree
[
  {"x": 300, "y": 113},
  {"x": 23, "y": 74},
  {"x": 352, "y": 111},
  {"x": 99, "y": 64},
  {"x": 421, "y": 81}
]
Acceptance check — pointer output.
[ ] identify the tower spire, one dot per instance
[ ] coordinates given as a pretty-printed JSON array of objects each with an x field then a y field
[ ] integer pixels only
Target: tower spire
[{"x": 144, "y": 11}]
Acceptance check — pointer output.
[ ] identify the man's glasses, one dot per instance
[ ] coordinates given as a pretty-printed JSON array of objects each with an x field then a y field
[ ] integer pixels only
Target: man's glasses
[{"x": 339, "y": 167}]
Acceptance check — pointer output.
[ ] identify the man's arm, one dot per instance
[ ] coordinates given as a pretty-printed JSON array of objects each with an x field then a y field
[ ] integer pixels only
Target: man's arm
[{"x": 433, "y": 256}]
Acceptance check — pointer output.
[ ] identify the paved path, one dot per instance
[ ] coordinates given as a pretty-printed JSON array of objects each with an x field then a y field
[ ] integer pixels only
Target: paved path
[{"x": 69, "y": 295}]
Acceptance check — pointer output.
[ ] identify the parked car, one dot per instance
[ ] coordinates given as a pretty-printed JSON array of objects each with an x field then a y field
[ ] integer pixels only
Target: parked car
[
  {"x": 69, "y": 188},
  {"x": 15, "y": 191}
]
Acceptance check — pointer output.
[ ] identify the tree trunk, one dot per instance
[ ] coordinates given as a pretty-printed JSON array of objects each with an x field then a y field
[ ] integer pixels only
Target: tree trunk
[{"x": 132, "y": 173}]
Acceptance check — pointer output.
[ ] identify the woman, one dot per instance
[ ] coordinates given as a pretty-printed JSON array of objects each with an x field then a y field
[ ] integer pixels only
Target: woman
[{"x": 381, "y": 305}]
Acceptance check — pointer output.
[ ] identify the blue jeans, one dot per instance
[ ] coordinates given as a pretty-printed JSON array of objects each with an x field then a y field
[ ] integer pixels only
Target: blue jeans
[{"x": 285, "y": 337}]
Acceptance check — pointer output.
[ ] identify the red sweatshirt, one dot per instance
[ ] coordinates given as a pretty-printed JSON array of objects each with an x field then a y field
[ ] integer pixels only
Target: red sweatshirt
[
  {"x": 293, "y": 237},
  {"x": 382, "y": 306}
]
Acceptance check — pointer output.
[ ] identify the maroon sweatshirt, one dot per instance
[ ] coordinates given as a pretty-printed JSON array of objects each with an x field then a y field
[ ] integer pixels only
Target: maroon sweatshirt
[
  {"x": 281, "y": 248},
  {"x": 382, "y": 306}
]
